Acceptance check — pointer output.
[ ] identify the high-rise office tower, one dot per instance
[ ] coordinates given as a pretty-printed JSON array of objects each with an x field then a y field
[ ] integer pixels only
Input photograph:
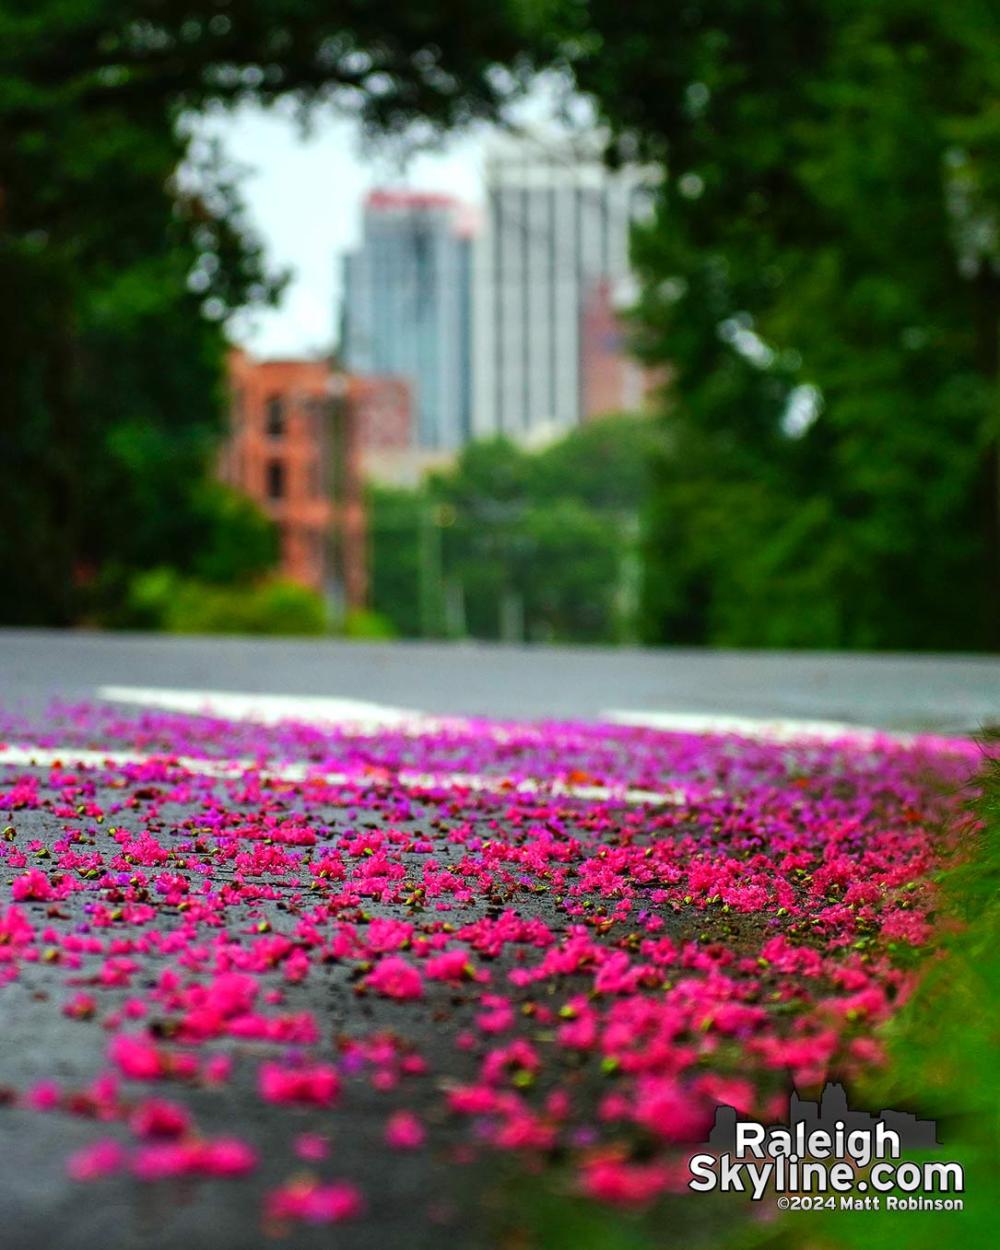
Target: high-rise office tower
[
  {"x": 556, "y": 231},
  {"x": 406, "y": 308}
]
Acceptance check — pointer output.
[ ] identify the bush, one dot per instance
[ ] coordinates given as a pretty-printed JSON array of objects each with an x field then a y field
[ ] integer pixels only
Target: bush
[
  {"x": 162, "y": 599},
  {"x": 240, "y": 542},
  {"x": 364, "y": 623},
  {"x": 943, "y": 1047}
]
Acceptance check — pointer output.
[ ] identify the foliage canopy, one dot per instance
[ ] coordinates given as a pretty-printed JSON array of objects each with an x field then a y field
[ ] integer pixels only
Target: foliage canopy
[
  {"x": 823, "y": 277},
  {"x": 123, "y": 249}
]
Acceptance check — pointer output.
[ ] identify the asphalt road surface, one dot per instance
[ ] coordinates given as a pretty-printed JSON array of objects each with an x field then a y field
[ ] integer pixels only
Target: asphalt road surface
[
  {"x": 207, "y": 914},
  {"x": 897, "y": 692}
]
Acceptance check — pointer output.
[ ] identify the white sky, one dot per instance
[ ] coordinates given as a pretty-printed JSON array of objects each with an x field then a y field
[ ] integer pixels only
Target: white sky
[{"x": 304, "y": 196}]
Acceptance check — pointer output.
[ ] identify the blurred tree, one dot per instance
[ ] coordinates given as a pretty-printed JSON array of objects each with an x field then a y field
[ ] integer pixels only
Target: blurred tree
[
  {"x": 824, "y": 277},
  {"x": 394, "y": 555},
  {"x": 122, "y": 249},
  {"x": 568, "y": 567},
  {"x": 545, "y": 535},
  {"x": 606, "y": 463}
]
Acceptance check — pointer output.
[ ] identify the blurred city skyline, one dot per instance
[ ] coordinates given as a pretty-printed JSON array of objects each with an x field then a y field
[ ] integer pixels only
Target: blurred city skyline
[
  {"x": 305, "y": 190},
  {"x": 505, "y": 319}
]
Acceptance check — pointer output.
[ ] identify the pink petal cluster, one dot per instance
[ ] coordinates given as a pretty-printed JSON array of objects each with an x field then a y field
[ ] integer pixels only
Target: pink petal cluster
[
  {"x": 157, "y": 1117},
  {"x": 222, "y": 1156},
  {"x": 404, "y": 1131},
  {"x": 608, "y": 932},
  {"x": 93, "y": 1162},
  {"x": 393, "y": 977},
  {"x": 313, "y": 1202},
  {"x": 316, "y": 1084}
]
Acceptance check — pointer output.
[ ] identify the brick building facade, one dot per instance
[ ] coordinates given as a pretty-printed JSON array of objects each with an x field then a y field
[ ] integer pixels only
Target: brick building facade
[{"x": 293, "y": 447}]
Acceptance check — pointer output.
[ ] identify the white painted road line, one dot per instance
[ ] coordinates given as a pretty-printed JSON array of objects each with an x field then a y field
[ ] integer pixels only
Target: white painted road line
[
  {"x": 768, "y": 729},
  {"x": 68, "y": 757},
  {"x": 263, "y": 709},
  {"x": 24, "y": 754},
  {"x": 362, "y": 718}
]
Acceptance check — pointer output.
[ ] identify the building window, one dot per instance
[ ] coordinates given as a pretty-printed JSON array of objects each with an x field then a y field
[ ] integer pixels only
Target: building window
[
  {"x": 275, "y": 416},
  {"x": 275, "y": 479}
]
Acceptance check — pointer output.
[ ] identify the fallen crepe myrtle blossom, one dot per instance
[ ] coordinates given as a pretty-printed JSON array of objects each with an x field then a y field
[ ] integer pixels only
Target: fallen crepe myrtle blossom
[
  {"x": 404, "y": 1131},
  {"x": 560, "y": 940},
  {"x": 224, "y": 1156},
  {"x": 312, "y": 1202},
  {"x": 100, "y": 1158}
]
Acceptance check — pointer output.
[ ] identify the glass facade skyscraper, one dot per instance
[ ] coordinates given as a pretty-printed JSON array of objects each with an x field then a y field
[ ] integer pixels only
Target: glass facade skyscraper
[
  {"x": 557, "y": 228},
  {"x": 407, "y": 309}
]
